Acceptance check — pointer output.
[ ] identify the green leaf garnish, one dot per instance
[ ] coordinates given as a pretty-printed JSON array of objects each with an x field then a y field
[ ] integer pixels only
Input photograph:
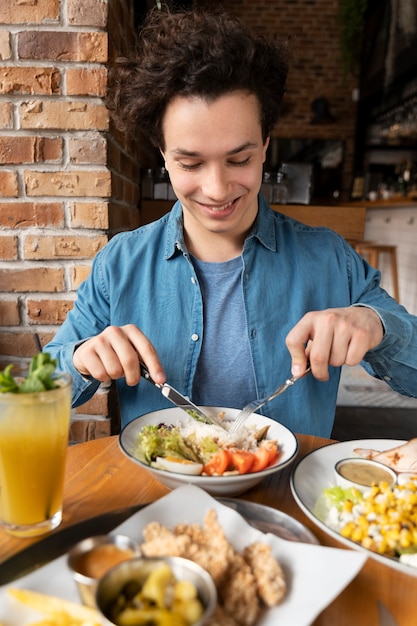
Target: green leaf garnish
[{"x": 40, "y": 377}]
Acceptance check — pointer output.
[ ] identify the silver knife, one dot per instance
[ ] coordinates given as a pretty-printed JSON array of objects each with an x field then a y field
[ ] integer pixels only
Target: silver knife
[
  {"x": 181, "y": 401},
  {"x": 385, "y": 616}
]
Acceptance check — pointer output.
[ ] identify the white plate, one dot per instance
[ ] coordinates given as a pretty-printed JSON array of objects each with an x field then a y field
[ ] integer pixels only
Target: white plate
[
  {"x": 316, "y": 575},
  {"x": 315, "y": 472},
  {"x": 214, "y": 485}
]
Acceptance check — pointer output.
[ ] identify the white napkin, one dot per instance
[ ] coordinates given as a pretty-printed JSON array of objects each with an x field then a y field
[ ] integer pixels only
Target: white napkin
[{"x": 315, "y": 574}]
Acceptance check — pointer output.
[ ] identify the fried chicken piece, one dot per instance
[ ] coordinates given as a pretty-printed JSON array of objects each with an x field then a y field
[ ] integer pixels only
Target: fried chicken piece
[
  {"x": 238, "y": 592},
  {"x": 268, "y": 574},
  {"x": 208, "y": 546},
  {"x": 160, "y": 541},
  {"x": 221, "y": 618},
  {"x": 243, "y": 582}
]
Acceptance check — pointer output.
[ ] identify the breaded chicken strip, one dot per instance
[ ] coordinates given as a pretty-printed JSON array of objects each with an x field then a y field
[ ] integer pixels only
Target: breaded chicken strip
[
  {"x": 268, "y": 574},
  {"x": 238, "y": 593}
]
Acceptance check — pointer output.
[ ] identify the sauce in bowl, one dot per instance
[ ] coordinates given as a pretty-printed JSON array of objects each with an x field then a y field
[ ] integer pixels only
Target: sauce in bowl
[
  {"x": 363, "y": 473},
  {"x": 97, "y": 561}
]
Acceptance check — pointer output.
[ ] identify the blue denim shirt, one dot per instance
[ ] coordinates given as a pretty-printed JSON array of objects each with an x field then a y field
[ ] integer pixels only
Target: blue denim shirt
[{"x": 145, "y": 277}]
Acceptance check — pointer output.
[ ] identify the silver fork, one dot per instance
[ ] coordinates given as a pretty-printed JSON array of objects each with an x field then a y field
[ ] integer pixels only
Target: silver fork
[{"x": 256, "y": 404}]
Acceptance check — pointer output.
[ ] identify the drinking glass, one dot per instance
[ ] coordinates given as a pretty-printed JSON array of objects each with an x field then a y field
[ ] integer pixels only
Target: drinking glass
[{"x": 34, "y": 429}]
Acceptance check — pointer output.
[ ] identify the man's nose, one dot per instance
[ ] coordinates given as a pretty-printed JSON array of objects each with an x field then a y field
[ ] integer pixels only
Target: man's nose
[{"x": 215, "y": 182}]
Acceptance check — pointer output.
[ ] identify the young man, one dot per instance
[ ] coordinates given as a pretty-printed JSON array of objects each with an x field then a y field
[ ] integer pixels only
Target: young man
[{"x": 223, "y": 297}]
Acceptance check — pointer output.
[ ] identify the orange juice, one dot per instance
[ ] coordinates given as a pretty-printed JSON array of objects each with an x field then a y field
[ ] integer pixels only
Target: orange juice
[{"x": 34, "y": 430}]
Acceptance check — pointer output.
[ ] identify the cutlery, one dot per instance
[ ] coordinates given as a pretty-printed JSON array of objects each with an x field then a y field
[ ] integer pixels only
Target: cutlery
[
  {"x": 256, "y": 404},
  {"x": 181, "y": 401},
  {"x": 385, "y": 616}
]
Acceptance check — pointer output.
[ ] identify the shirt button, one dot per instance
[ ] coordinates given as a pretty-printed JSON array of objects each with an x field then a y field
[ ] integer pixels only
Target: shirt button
[
  {"x": 387, "y": 378},
  {"x": 194, "y": 337},
  {"x": 193, "y": 280}
]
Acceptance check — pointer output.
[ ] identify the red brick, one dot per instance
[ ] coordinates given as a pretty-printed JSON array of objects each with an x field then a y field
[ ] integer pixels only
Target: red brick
[
  {"x": 6, "y": 115},
  {"x": 78, "y": 274},
  {"x": 48, "y": 311},
  {"x": 90, "y": 215},
  {"x": 122, "y": 217},
  {"x": 8, "y": 248},
  {"x": 97, "y": 405},
  {"x": 29, "y": 214},
  {"x": 9, "y": 313},
  {"x": 29, "y": 12},
  {"x": 5, "y": 47},
  {"x": 82, "y": 430},
  {"x": 65, "y": 46},
  {"x": 88, "y": 150},
  {"x": 32, "y": 80},
  {"x": 62, "y": 115},
  {"x": 30, "y": 149},
  {"x": 87, "y": 13},
  {"x": 8, "y": 184},
  {"x": 37, "y": 247},
  {"x": 18, "y": 344},
  {"x": 31, "y": 279},
  {"x": 86, "y": 82},
  {"x": 74, "y": 183}
]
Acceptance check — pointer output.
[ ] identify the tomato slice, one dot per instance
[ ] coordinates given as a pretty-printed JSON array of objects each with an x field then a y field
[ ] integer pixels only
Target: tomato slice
[
  {"x": 218, "y": 463},
  {"x": 242, "y": 460},
  {"x": 272, "y": 448},
  {"x": 261, "y": 459}
]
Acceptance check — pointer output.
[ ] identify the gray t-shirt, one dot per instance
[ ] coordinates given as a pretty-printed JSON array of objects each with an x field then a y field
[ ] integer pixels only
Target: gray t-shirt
[{"x": 224, "y": 374}]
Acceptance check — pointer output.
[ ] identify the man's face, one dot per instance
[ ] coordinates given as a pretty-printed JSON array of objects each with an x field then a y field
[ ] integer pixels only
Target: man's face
[{"x": 214, "y": 154}]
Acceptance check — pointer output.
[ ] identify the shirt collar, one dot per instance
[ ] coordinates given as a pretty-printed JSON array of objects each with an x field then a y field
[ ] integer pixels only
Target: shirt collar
[
  {"x": 175, "y": 233},
  {"x": 264, "y": 226}
]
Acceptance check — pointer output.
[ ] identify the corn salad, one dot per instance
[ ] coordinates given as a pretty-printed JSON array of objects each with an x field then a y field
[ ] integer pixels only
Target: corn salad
[{"x": 383, "y": 519}]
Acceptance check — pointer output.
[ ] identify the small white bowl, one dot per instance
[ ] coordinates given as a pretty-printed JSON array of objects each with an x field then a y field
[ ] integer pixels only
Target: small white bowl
[
  {"x": 136, "y": 571},
  {"x": 214, "y": 485},
  {"x": 363, "y": 473}
]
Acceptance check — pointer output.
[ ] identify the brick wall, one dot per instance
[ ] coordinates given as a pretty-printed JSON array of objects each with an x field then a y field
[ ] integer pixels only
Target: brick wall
[
  {"x": 67, "y": 179},
  {"x": 312, "y": 28}
]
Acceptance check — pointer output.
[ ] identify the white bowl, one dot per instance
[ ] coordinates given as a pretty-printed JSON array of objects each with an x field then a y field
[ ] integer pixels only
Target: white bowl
[
  {"x": 362, "y": 473},
  {"x": 214, "y": 485}
]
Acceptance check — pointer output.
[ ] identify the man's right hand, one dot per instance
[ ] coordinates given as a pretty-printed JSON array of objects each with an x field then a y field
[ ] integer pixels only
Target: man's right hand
[{"x": 115, "y": 353}]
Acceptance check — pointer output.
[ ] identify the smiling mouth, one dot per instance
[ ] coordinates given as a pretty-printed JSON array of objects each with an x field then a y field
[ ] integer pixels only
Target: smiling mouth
[{"x": 223, "y": 207}]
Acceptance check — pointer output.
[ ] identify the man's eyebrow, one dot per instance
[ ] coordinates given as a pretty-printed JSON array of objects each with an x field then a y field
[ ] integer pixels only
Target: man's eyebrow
[{"x": 191, "y": 153}]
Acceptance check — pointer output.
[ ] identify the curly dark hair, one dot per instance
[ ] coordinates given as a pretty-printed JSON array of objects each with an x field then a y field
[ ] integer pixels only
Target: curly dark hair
[{"x": 205, "y": 53}]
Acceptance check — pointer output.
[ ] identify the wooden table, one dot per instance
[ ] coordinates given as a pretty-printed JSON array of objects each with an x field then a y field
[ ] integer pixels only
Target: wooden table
[{"x": 99, "y": 478}]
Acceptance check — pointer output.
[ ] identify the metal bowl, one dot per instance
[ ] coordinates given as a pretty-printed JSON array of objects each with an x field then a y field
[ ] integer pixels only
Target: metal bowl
[
  {"x": 89, "y": 560},
  {"x": 137, "y": 571}
]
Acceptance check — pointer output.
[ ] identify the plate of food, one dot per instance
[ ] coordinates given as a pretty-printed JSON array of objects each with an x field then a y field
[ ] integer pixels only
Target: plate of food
[
  {"x": 306, "y": 576},
  {"x": 177, "y": 449},
  {"x": 358, "y": 517}
]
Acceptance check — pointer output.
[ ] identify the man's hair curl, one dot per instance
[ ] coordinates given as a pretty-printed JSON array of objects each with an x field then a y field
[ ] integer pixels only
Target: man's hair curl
[{"x": 194, "y": 53}]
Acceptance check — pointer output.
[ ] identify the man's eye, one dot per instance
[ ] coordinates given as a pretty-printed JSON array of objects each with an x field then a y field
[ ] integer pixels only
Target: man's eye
[
  {"x": 188, "y": 166},
  {"x": 241, "y": 163}
]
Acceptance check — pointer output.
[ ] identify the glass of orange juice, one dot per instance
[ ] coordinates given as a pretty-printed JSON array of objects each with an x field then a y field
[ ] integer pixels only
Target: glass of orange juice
[{"x": 34, "y": 429}]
